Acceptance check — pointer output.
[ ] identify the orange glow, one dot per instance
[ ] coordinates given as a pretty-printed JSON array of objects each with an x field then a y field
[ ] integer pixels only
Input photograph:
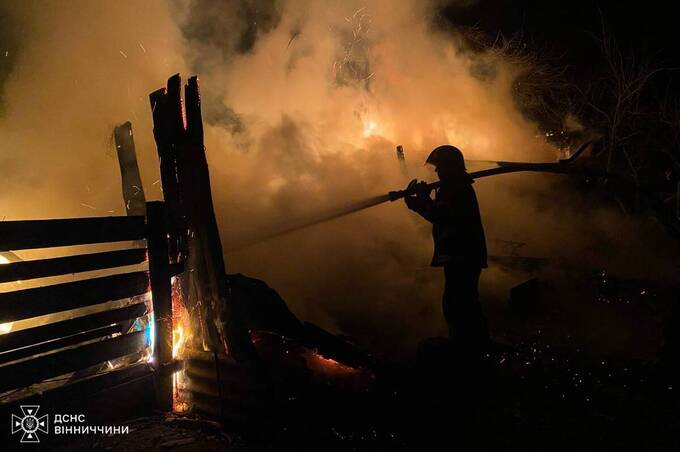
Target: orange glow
[
  {"x": 181, "y": 323},
  {"x": 371, "y": 128},
  {"x": 181, "y": 335},
  {"x": 320, "y": 364},
  {"x": 177, "y": 340}
]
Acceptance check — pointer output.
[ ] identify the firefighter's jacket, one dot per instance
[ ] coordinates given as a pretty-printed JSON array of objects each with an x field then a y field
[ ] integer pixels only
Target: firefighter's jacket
[{"x": 456, "y": 224}]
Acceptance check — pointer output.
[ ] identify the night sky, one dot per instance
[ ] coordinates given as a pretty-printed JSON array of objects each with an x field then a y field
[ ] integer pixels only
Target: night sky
[{"x": 567, "y": 31}]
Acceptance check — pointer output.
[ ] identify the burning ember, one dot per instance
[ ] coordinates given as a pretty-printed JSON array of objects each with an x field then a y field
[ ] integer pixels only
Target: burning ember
[
  {"x": 318, "y": 364},
  {"x": 180, "y": 333},
  {"x": 180, "y": 321}
]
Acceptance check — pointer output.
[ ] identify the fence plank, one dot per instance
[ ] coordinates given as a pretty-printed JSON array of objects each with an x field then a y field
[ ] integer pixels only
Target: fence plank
[
  {"x": 23, "y": 338},
  {"x": 35, "y": 370},
  {"x": 18, "y": 235},
  {"x": 83, "y": 389},
  {"x": 133, "y": 192},
  {"x": 159, "y": 272},
  {"x": 62, "y": 342},
  {"x": 70, "y": 264},
  {"x": 23, "y": 304}
]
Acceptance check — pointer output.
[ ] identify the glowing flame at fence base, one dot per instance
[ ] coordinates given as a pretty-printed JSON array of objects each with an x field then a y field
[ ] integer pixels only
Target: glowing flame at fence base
[
  {"x": 181, "y": 333},
  {"x": 177, "y": 340}
]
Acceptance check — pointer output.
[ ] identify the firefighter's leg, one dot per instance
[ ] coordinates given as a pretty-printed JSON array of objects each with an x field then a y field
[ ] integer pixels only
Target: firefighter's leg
[{"x": 462, "y": 311}]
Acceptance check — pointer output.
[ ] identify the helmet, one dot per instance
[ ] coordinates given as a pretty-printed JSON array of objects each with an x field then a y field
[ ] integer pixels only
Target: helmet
[{"x": 447, "y": 155}]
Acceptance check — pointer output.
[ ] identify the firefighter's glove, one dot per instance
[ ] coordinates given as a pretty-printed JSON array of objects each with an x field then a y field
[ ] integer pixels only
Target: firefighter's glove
[
  {"x": 417, "y": 192},
  {"x": 418, "y": 188}
]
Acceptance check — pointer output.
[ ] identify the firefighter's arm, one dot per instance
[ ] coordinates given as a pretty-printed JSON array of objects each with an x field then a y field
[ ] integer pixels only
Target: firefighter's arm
[
  {"x": 442, "y": 208},
  {"x": 419, "y": 199}
]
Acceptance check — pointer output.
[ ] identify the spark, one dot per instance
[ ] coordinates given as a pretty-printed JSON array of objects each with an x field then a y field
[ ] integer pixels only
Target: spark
[
  {"x": 142, "y": 47},
  {"x": 87, "y": 205},
  {"x": 123, "y": 53}
]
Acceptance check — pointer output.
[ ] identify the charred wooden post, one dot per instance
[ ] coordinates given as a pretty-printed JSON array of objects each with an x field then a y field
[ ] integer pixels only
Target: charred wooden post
[
  {"x": 167, "y": 154},
  {"x": 133, "y": 191},
  {"x": 159, "y": 275},
  {"x": 186, "y": 189}
]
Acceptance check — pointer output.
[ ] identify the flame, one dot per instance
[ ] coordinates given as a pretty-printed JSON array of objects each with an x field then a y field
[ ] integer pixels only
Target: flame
[
  {"x": 181, "y": 321},
  {"x": 177, "y": 340},
  {"x": 371, "y": 128},
  {"x": 181, "y": 338}
]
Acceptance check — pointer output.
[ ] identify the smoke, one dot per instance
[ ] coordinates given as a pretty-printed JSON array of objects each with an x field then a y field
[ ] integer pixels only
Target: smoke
[
  {"x": 304, "y": 104},
  {"x": 79, "y": 68}
]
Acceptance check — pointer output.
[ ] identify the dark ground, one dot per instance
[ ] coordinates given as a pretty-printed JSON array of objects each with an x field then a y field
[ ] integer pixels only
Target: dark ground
[
  {"x": 529, "y": 400},
  {"x": 553, "y": 381}
]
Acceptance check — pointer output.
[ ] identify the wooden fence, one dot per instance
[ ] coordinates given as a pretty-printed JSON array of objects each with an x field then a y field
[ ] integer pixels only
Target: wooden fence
[
  {"x": 77, "y": 349},
  {"x": 80, "y": 348}
]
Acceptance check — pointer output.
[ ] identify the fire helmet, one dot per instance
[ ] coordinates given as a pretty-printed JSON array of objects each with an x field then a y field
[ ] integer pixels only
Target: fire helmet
[{"x": 447, "y": 155}]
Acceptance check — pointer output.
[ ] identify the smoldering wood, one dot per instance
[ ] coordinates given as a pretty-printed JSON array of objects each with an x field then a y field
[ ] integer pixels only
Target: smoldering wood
[
  {"x": 23, "y": 304},
  {"x": 25, "y": 373},
  {"x": 28, "y": 234},
  {"x": 169, "y": 171},
  {"x": 204, "y": 244},
  {"x": 62, "y": 342},
  {"x": 159, "y": 271},
  {"x": 25, "y": 270},
  {"x": 26, "y": 337},
  {"x": 133, "y": 191},
  {"x": 186, "y": 188}
]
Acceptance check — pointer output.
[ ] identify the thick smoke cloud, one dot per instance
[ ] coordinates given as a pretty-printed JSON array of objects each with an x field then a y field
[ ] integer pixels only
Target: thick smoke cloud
[
  {"x": 322, "y": 96},
  {"x": 305, "y": 102},
  {"x": 81, "y": 68}
]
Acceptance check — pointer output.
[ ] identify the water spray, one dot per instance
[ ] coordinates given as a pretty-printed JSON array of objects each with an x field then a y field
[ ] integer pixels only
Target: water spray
[{"x": 564, "y": 166}]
